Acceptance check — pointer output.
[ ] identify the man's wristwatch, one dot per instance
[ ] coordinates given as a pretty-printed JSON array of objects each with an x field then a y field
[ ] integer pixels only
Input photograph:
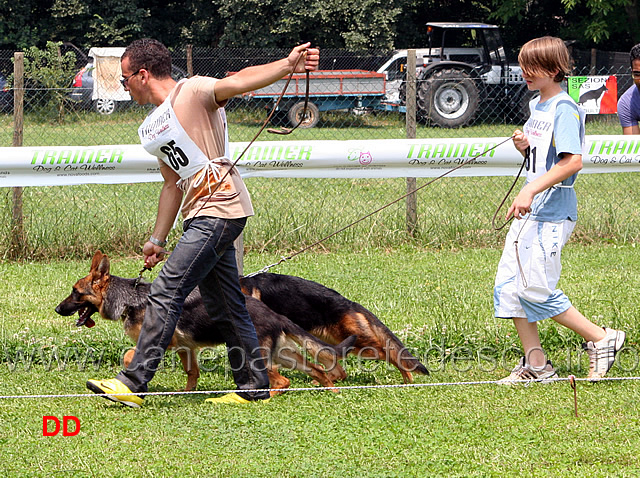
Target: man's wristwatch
[{"x": 157, "y": 242}]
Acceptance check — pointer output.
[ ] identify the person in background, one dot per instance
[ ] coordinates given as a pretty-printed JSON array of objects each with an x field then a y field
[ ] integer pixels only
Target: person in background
[
  {"x": 629, "y": 102},
  {"x": 187, "y": 132},
  {"x": 546, "y": 209}
]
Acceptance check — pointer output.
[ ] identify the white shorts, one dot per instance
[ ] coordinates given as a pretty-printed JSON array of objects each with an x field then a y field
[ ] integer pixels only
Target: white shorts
[{"x": 526, "y": 282}]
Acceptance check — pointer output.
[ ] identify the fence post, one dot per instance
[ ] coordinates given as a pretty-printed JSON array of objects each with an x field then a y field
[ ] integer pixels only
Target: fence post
[
  {"x": 239, "y": 245},
  {"x": 189, "y": 61},
  {"x": 410, "y": 118},
  {"x": 18, "y": 238}
]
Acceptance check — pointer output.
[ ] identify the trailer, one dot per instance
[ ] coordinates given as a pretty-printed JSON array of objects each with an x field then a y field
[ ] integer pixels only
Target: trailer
[{"x": 329, "y": 90}]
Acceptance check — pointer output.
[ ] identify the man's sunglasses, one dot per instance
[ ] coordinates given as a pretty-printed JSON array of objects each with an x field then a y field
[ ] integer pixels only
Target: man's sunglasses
[{"x": 125, "y": 81}]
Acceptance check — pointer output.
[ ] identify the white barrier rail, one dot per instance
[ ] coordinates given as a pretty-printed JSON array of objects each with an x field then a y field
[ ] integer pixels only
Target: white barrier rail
[{"x": 383, "y": 158}]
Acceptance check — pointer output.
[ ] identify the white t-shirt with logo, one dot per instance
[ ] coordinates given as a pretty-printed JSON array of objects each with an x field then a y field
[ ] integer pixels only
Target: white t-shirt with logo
[{"x": 556, "y": 126}]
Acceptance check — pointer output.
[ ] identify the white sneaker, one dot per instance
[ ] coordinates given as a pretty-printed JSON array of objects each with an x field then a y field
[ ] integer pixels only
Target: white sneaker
[
  {"x": 602, "y": 353},
  {"x": 525, "y": 373}
]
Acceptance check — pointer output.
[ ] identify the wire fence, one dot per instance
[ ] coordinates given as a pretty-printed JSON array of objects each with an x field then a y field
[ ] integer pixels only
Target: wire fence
[{"x": 292, "y": 213}]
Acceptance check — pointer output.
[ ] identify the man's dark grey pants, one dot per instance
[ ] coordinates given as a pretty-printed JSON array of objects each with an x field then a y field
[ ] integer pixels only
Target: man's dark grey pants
[{"x": 204, "y": 257}]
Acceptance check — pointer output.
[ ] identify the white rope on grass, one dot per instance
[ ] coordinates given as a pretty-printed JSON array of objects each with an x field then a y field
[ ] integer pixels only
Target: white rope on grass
[{"x": 323, "y": 389}]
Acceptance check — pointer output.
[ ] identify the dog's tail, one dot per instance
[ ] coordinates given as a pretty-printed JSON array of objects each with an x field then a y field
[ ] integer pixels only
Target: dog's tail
[
  {"x": 407, "y": 363},
  {"x": 397, "y": 353}
]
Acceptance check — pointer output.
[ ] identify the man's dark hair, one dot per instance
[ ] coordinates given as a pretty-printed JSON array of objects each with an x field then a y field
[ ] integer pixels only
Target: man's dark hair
[
  {"x": 151, "y": 55},
  {"x": 634, "y": 54}
]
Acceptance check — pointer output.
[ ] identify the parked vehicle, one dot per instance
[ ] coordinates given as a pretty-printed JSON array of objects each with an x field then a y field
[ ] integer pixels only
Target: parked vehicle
[
  {"x": 464, "y": 70},
  {"x": 82, "y": 92},
  {"x": 464, "y": 67},
  {"x": 329, "y": 90},
  {"x": 105, "y": 94},
  {"x": 6, "y": 96}
]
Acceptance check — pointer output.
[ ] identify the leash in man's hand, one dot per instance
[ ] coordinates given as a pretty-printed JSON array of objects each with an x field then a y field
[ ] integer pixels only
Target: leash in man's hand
[{"x": 283, "y": 131}]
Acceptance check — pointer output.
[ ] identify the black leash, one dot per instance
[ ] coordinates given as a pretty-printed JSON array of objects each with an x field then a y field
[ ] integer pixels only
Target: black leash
[
  {"x": 525, "y": 160},
  {"x": 291, "y": 256},
  {"x": 305, "y": 106},
  {"x": 125, "y": 312},
  {"x": 266, "y": 121},
  {"x": 139, "y": 278}
]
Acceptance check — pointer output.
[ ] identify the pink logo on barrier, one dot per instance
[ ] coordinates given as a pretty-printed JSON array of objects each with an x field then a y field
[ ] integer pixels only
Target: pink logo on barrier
[{"x": 365, "y": 158}]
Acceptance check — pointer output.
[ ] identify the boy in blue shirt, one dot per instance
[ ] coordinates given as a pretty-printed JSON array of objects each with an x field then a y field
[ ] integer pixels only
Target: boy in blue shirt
[{"x": 546, "y": 211}]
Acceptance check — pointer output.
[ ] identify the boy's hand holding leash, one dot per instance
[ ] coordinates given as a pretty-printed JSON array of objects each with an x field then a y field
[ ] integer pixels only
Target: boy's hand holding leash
[
  {"x": 522, "y": 203},
  {"x": 520, "y": 141}
]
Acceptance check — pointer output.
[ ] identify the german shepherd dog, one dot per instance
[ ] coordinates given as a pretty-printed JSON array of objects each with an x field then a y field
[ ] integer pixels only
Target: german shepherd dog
[
  {"x": 117, "y": 298},
  {"x": 330, "y": 316}
]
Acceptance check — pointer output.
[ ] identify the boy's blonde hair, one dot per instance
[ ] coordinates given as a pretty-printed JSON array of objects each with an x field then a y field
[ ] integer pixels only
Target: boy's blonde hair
[{"x": 545, "y": 56}]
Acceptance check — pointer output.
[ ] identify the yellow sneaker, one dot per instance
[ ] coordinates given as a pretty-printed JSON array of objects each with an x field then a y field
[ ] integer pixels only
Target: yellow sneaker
[
  {"x": 113, "y": 388},
  {"x": 232, "y": 398}
]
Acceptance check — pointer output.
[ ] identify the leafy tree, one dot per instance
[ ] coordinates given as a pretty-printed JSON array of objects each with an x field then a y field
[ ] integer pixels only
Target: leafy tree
[
  {"x": 72, "y": 18},
  {"x": 50, "y": 72},
  {"x": 117, "y": 23},
  {"x": 604, "y": 24},
  {"x": 206, "y": 27},
  {"x": 602, "y": 20},
  {"x": 250, "y": 23},
  {"x": 329, "y": 23},
  {"x": 359, "y": 25},
  {"x": 24, "y": 23},
  {"x": 169, "y": 21},
  {"x": 108, "y": 22},
  {"x": 411, "y": 30}
]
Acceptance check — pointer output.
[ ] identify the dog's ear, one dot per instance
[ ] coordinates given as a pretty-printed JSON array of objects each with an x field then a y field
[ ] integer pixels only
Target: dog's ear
[
  {"x": 95, "y": 262},
  {"x": 101, "y": 270}
]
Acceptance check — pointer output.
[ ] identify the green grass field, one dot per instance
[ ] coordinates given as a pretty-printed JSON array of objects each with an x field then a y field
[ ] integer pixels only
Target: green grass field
[
  {"x": 434, "y": 290},
  {"x": 438, "y": 302}
]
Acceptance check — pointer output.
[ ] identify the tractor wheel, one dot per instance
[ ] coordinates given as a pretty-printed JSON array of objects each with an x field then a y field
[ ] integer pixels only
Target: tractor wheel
[
  {"x": 449, "y": 98},
  {"x": 310, "y": 119}
]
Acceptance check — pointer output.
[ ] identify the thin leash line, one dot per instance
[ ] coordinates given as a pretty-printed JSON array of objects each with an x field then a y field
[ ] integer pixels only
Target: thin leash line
[
  {"x": 506, "y": 196},
  {"x": 125, "y": 312},
  {"x": 291, "y": 256},
  {"x": 325, "y": 389},
  {"x": 283, "y": 131},
  {"x": 525, "y": 161},
  {"x": 515, "y": 244}
]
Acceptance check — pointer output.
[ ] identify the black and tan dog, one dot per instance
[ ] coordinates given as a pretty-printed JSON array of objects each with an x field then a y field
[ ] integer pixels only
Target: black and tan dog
[
  {"x": 117, "y": 298},
  {"x": 331, "y": 317}
]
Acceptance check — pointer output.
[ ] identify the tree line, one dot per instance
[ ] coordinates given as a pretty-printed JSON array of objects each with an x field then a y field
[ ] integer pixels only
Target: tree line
[{"x": 366, "y": 24}]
